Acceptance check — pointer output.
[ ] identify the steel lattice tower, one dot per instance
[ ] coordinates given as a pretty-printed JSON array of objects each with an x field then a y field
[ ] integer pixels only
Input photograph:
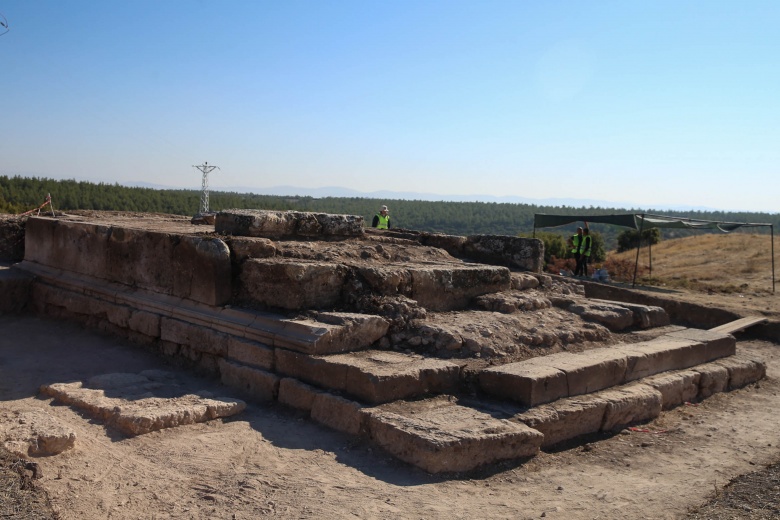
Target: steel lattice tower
[{"x": 204, "y": 195}]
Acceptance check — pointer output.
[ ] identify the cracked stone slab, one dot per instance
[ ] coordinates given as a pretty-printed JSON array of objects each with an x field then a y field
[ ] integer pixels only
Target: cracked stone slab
[
  {"x": 439, "y": 435},
  {"x": 141, "y": 403},
  {"x": 35, "y": 433}
]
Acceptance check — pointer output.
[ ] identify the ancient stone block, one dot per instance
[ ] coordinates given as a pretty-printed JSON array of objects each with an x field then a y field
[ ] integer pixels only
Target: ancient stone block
[
  {"x": 246, "y": 247},
  {"x": 278, "y": 224},
  {"x": 296, "y": 394},
  {"x": 661, "y": 355},
  {"x": 676, "y": 387},
  {"x": 194, "y": 336},
  {"x": 523, "y": 253},
  {"x": 526, "y": 383},
  {"x": 717, "y": 344},
  {"x": 35, "y": 433},
  {"x": 614, "y": 317},
  {"x": 566, "y": 419},
  {"x": 252, "y": 382},
  {"x": 15, "y": 290},
  {"x": 523, "y": 281},
  {"x": 292, "y": 284},
  {"x": 250, "y": 353},
  {"x": 338, "y": 413},
  {"x": 714, "y": 379},
  {"x": 146, "y": 323},
  {"x": 347, "y": 332},
  {"x": 439, "y": 435},
  {"x": 589, "y": 371},
  {"x": 743, "y": 370},
  {"x": 316, "y": 370},
  {"x": 450, "y": 288},
  {"x": 629, "y": 405}
]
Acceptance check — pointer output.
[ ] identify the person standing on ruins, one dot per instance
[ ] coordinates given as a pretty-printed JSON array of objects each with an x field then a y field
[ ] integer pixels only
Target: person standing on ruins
[
  {"x": 381, "y": 219},
  {"x": 584, "y": 254},
  {"x": 575, "y": 242}
]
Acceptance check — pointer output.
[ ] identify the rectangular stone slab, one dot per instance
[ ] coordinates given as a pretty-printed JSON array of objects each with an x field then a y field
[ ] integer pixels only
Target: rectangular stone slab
[
  {"x": 589, "y": 371},
  {"x": 438, "y": 435},
  {"x": 566, "y": 419},
  {"x": 372, "y": 376},
  {"x": 718, "y": 344},
  {"x": 630, "y": 404},
  {"x": 661, "y": 355},
  {"x": 676, "y": 387},
  {"x": 743, "y": 370},
  {"x": 526, "y": 383}
]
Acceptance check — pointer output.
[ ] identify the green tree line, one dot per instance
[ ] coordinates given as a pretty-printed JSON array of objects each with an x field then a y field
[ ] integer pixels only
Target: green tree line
[{"x": 20, "y": 194}]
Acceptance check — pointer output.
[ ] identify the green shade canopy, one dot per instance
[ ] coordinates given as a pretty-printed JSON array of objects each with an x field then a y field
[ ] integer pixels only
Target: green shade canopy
[{"x": 640, "y": 221}]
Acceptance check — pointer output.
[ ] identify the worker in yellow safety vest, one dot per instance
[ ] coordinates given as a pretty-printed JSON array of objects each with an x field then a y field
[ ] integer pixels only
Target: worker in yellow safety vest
[
  {"x": 586, "y": 242},
  {"x": 381, "y": 219},
  {"x": 575, "y": 242}
]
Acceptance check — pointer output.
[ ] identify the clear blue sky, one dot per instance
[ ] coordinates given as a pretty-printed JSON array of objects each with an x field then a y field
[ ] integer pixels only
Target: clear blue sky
[{"x": 656, "y": 103}]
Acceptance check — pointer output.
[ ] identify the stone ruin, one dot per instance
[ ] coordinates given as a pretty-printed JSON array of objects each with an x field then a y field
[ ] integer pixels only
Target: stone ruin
[{"x": 448, "y": 352}]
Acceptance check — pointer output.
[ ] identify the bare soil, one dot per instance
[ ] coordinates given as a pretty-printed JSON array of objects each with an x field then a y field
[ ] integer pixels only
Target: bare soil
[{"x": 269, "y": 461}]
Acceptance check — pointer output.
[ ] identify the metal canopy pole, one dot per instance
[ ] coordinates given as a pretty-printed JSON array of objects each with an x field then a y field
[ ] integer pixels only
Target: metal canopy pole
[
  {"x": 638, "y": 247},
  {"x": 772, "y": 232}
]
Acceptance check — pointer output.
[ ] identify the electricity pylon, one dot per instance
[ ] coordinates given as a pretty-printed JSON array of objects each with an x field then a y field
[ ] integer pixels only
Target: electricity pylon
[{"x": 204, "y": 194}]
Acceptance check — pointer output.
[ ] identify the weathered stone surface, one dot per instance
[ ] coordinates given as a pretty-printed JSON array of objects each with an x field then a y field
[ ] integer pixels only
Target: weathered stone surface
[
  {"x": 197, "y": 337},
  {"x": 296, "y": 394},
  {"x": 661, "y": 355},
  {"x": 676, "y": 387},
  {"x": 373, "y": 376},
  {"x": 717, "y": 344},
  {"x": 450, "y": 243},
  {"x": 12, "y": 238},
  {"x": 278, "y": 224},
  {"x": 15, "y": 290},
  {"x": 439, "y": 435},
  {"x": 146, "y": 323},
  {"x": 629, "y": 405},
  {"x": 524, "y": 382},
  {"x": 338, "y": 413},
  {"x": 34, "y": 432},
  {"x": 523, "y": 253},
  {"x": 523, "y": 281},
  {"x": 292, "y": 284},
  {"x": 450, "y": 288},
  {"x": 714, "y": 379},
  {"x": 179, "y": 265},
  {"x": 566, "y": 418},
  {"x": 347, "y": 332},
  {"x": 743, "y": 370},
  {"x": 137, "y": 403},
  {"x": 250, "y": 353},
  {"x": 614, "y": 317},
  {"x": 589, "y": 371},
  {"x": 247, "y": 247},
  {"x": 645, "y": 316},
  {"x": 510, "y": 302},
  {"x": 254, "y": 383}
]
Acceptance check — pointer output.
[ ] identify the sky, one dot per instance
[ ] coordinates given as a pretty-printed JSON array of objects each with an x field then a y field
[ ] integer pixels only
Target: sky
[{"x": 645, "y": 103}]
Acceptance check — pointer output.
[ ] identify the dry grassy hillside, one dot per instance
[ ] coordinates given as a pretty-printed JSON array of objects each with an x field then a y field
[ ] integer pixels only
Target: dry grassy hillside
[{"x": 727, "y": 263}]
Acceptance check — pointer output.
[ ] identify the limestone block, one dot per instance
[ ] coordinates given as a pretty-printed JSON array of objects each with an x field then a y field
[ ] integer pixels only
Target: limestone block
[
  {"x": 34, "y": 432},
  {"x": 614, "y": 317},
  {"x": 629, "y": 405},
  {"x": 296, "y": 394},
  {"x": 527, "y": 383},
  {"x": 250, "y": 353},
  {"x": 450, "y": 243},
  {"x": 243, "y": 248},
  {"x": 523, "y": 253},
  {"x": 718, "y": 344},
  {"x": 292, "y": 284},
  {"x": 12, "y": 238},
  {"x": 661, "y": 355},
  {"x": 451, "y": 288},
  {"x": 676, "y": 387},
  {"x": 743, "y": 370},
  {"x": 388, "y": 280},
  {"x": 278, "y": 224},
  {"x": 566, "y": 419},
  {"x": 338, "y": 413},
  {"x": 714, "y": 379},
  {"x": 197, "y": 337},
  {"x": 523, "y": 281},
  {"x": 589, "y": 371},
  {"x": 258, "y": 384},
  {"x": 337, "y": 332},
  {"x": 147, "y": 323},
  {"x": 439, "y": 435},
  {"x": 316, "y": 370}
]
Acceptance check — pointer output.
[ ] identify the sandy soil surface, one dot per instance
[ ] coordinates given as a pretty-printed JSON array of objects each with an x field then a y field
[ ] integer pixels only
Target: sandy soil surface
[{"x": 268, "y": 461}]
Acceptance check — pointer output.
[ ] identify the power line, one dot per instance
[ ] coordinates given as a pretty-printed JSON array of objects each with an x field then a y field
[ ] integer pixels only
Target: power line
[{"x": 205, "y": 168}]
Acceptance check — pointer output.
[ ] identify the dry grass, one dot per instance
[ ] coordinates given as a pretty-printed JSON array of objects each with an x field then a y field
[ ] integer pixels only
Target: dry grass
[
  {"x": 736, "y": 262},
  {"x": 20, "y": 497}
]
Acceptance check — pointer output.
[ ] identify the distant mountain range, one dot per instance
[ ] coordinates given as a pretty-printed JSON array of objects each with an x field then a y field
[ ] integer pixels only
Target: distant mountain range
[{"x": 338, "y": 191}]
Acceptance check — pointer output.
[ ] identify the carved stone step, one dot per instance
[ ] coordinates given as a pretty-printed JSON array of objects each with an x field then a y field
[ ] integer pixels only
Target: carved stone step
[
  {"x": 372, "y": 376},
  {"x": 545, "y": 379}
]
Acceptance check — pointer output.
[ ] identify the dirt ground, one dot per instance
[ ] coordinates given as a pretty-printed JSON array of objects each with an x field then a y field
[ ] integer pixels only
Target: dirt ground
[{"x": 269, "y": 461}]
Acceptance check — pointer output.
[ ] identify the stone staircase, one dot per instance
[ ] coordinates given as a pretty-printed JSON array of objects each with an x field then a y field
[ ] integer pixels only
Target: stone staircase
[{"x": 414, "y": 391}]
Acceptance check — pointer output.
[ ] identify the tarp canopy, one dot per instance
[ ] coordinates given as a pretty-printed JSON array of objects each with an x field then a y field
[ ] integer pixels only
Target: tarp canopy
[{"x": 640, "y": 221}]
